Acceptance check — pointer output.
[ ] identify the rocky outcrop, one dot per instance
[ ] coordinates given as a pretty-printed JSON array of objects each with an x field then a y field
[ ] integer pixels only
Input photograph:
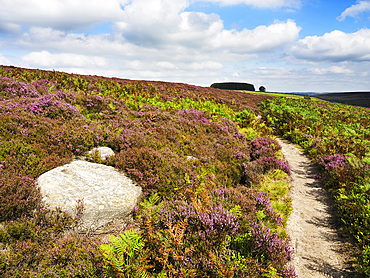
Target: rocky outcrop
[{"x": 106, "y": 193}]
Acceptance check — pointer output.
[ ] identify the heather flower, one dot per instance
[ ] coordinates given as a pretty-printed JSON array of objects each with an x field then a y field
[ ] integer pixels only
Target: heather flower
[
  {"x": 51, "y": 108},
  {"x": 264, "y": 164},
  {"x": 336, "y": 169},
  {"x": 206, "y": 230},
  {"x": 332, "y": 162},
  {"x": 269, "y": 163},
  {"x": 238, "y": 135},
  {"x": 269, "y": 245},
  {"x": 262, "y": 146},
  {"x": 263, "y": 204},
  {"x": 209, "y": 226},
  {"x": 240, "y": 155}
]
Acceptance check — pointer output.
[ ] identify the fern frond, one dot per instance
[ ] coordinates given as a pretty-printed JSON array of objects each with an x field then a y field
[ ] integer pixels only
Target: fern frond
[
  {"x": 177, "y": 231},
  {"x": 126, "y": 255},
  {"x": 237, "y": 211}
]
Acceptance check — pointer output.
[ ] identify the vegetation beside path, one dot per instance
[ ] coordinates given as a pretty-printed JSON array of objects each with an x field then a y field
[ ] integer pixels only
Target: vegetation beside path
[{"x": 337, "y": 138}]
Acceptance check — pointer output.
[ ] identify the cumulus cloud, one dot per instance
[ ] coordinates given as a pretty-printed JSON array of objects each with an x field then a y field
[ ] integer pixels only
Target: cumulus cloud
[
  {"x": 48, "y": 60},
  {"x": 207, "y": 65},
  {"x": 354, "y": 10},
  {"x": 262, "y": 38},
  {"x": 58, "y": 14},
  {"x": 167, "y": 32},
  {"x": 149, "y": 39},
  {"x": 167, "y": 23},
  {"x": 333, "y": 69},
  {"x": 336, "y": 46},
  {"x": 258, "y": 3}
]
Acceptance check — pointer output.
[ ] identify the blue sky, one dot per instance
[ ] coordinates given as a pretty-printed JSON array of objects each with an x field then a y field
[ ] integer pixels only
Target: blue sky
[{"x": 284, "y": 45}]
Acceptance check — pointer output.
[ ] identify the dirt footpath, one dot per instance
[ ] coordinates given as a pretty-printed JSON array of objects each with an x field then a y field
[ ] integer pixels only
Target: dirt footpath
[{"x": 319, "y": 251}]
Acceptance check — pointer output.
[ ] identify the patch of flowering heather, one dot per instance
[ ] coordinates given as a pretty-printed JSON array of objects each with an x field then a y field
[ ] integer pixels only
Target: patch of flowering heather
[
  {"x": 263, "y": 204},
  {"x": 210, "y": 226},
  {"x": 18, "y": 195},
  {"x": 238, "y": 135},
  {"x": 335, "y": 169},
  {"x": 44, "y": 86},
  {"x": 250, "y": 202},
  {"x": 9, "y": 106},
  {"x": 269, "y": 163},
  {"x": 51, "y": 108},
  {"x": 205, "y": 231},
  {"x": 10, "y": 88},
  {"x": 271, "y": 247},
  {"x": 332, "y": 162},
  {"x": 241, "y": 156},
  {"x": 288, "y": 272},
  {"x": 263, "y": 146},
  {"x": 261, "y": 242},
  {"x": 194, "y": 114}
]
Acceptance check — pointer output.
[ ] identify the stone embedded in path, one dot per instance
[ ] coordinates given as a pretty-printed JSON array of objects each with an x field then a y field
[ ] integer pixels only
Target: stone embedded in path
[{"x": 106, "y": 193}]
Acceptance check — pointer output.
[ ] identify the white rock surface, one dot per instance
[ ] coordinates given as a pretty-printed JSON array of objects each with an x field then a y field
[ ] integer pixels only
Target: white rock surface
[
  {"x": 106, "y": 193},
  {"x": 104, "y": 152}
]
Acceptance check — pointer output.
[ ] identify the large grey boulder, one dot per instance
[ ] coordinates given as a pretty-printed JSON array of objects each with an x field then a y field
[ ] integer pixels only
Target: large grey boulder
[{"x": 106, "y": 193}]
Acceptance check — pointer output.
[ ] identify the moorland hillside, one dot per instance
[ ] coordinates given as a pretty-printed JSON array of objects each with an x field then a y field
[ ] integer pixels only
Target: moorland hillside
[{"x": 215, "y": 183}]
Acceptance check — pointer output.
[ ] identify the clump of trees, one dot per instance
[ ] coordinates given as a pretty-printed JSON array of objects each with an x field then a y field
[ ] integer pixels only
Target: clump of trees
[{"x": 234, "y": 86}]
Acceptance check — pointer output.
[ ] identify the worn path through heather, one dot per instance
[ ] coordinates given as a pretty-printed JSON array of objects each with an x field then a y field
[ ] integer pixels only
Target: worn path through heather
[{"x": 319, "y": 250}]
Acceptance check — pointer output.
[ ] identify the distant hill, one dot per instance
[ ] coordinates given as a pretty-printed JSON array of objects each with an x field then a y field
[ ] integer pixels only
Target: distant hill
[{"x": 351, "y": 98}]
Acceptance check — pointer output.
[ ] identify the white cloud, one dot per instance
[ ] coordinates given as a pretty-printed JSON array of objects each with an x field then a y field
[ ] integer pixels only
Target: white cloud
[
  {"x": 258, "y": 3},
  {"x": 335, "y": 46},
  {"x": 209, "y": 65},
  {"x": 354, "y": 10},
  {"x": 158, "y": 22},
  {"x": 4, "y": 60},
  {"x": 166, "y": 65},
  {"x": 262, "y": 38},
  {"x": 333, "y": 69},
  {"x": 153, "y": 39},
  {"x": 161, "y": 40},
  {"x": 48, "y": 60},
  {"x": 58, "y": 14},
  {"x": 329, "y": 78},
  {"x": 167, "y": 24},
  {"x": 104, "y": 45}
]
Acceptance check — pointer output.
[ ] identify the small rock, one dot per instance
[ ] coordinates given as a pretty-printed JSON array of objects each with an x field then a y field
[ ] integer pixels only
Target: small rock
[
  {"x": 103, "y": 151},
  {"x": 189, "y": 157}
]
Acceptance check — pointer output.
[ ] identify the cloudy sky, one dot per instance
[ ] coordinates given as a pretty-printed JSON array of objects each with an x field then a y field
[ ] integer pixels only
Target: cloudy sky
[{"x": 284, "y": 45}]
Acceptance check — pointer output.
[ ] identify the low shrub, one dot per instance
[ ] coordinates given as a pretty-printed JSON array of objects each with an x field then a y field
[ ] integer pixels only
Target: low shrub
[{"x": 263, "y": 147}]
